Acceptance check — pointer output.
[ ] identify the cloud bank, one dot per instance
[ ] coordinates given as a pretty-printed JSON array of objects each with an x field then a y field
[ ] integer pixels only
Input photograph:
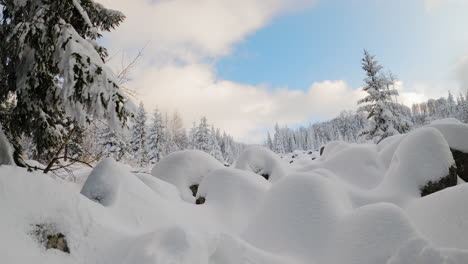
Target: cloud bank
[{"x": 185, "y": 37}]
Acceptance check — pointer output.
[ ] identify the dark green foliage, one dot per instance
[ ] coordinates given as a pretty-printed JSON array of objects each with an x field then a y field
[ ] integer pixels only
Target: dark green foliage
[{"x": 52, "y": 70}]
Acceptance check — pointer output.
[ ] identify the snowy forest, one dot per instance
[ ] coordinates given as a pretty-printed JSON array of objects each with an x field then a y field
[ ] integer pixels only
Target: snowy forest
[
  {"x": 90, "y": 174},
  {"x": 145, "y": 141},
  {"x": 349, "y": 124}
]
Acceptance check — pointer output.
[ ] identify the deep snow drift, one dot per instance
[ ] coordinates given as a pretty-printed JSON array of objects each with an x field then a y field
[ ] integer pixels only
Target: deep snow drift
[{"x": 355, "y": 204}]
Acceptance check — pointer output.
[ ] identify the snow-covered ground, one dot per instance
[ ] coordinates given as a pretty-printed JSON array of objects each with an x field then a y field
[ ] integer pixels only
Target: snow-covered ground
[{"x": 354, "y": 204}]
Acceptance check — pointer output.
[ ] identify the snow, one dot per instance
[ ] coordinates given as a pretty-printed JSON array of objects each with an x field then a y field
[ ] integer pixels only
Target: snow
[
  {"x": 233, "y": 195},
  {"x": 104, "y": 183},
  {"x": 6, "y": 151},
  {"x": 184, "y": 169},
  {"x": 260, "y": 160},
  {"x": 356, "y": 204},
  {"x": 423, "y": 156},
  {"x": 455, "y": 133}
]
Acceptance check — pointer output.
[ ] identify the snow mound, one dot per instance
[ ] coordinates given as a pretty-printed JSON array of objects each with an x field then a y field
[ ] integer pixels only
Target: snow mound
[
  {"x": 262, "y": 161},
  {"x": 233, "y": 195},
  {"x": 104, "y": 183},
  {"x": 423, "y": 156},
  {"x": 446, "y": 121},
  {"x": 456, "y": 135},
  {"x": 364, "y": 236},
  {"x": 419, "y": 251},
  {"x": 297, "y": 215},
  {"x": 332, "y": 148},
  {"x": 184, "y": 169},
  {"x": 168, "y": 245},
  {"x": 160, "y": 187},
  {"x": 443, "y": 217}
]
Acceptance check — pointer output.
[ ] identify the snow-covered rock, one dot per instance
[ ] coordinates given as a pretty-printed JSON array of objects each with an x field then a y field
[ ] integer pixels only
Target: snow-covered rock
[
  {"x": 422, "y": 157},
  {"x": 233, "y": 195},
  {"x": 104, "y": 183},
  {"x": 262, "y": 161},
  {"x": 184, "y": 169}
]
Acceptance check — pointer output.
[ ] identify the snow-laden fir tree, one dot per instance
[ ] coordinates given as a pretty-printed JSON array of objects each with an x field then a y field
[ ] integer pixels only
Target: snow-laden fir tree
[
  {"x": 112, "y": 144},
  {"x": 278, "y": 142},
  {"x": 215, "y": 149},
  {"x": 463, "y": 108},
  {"x": 52, "y": 64},
  {"x": 269, "y": 142},
  {"x": 201, "y": 139},
  {"x": 383, "y": 120},
  {"x": 138, "y": 137},
  {"x": 156, "y": 138}
]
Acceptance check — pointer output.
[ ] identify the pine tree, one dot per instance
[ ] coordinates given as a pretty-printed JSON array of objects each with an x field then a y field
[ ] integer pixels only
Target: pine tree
[
  {"x": 51, "y": 63},
  {"x": 278, "y": 143},
  {"x": 215, "y": 149},
  {"x": 383, "y": 120},
  {"x": 202, "y": 136},
  {"x": 138, "y": 137},
  {"x": 269, "y": 142},
  {"x": 463, "y": 108},
  {"x": 157, "y": 138},
  {"x": 451, "y": 105},
  {"x": 112, "y": 144}
]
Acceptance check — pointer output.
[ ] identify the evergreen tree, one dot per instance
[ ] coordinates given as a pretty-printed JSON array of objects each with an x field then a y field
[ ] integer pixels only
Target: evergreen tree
[
  {"x": 269, "y": 142},
  {"x": 138, "y": 137},
  {"x": 383, "y": 120},
  {"x": 157, "y": 138},
  {"x": 51, "y": 63},
  {"x": 278, "y": 143},
  {"x": 215, "y": 149},
  {"x": 202, "y": 136},
  {"x": 112, "y": 144}
]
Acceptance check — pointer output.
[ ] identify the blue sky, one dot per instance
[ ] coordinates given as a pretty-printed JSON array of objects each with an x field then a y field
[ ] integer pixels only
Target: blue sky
[
  {"x": 248, "y": 64},
  {"x": 326, "y": 43}
]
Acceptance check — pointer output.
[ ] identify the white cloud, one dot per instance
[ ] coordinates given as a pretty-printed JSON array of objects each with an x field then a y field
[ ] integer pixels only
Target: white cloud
[
  {"x": 239, "y": 109},
  {"x": 190, "y": 29},
  {"x": 432, "y": 4},
  {"x": 174, "y": 75},
  {"x": 461, "y": 74}
]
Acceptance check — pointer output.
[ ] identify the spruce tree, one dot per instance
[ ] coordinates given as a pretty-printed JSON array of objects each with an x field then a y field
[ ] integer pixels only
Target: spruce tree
[
  {"x": 112, "y": 144},
  {"x": 53, "y": 67},
  {"x": 138, "y": 137},
  {"x": 384, "y": 121},
  {"x": 278, "y": 143},
  {"x": 156, "y": 138},
  {"x": 269, "y": 142},
  {"x": 202, "y": 136},
  {"x": 215, "y": 149}
]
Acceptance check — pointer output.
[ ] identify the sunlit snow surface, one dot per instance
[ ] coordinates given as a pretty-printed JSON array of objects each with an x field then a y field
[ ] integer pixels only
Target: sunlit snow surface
[{"x": 355, "y": 204}]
